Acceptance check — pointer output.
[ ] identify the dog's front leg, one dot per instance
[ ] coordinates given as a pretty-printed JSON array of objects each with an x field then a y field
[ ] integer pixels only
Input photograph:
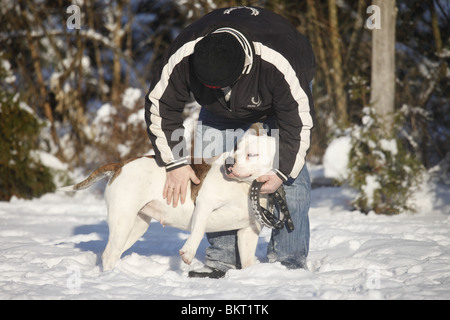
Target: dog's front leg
[
  {"x": 198, "y": 227},
  {"x": 247, "y": 242}
]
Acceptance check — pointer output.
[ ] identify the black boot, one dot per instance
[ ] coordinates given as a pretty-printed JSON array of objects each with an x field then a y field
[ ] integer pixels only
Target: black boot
[{"x": 206, "y": 272}]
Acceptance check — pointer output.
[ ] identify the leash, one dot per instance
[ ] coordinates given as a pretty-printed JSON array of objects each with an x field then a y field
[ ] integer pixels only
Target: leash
[{"x": 266, "y": 217}]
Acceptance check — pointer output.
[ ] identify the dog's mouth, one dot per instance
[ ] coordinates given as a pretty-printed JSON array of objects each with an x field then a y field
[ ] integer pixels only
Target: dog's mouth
[
  {"x": 231, "y": 174},
  {"x": 229, "y": 166}
]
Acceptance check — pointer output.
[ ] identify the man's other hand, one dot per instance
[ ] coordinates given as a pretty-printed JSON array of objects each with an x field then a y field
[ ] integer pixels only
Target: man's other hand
[
  {"x": 177, "y": 181},
  {"x": 271, "y": 183}
]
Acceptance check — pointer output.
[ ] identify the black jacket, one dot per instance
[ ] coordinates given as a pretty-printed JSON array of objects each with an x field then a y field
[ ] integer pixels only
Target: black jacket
[{"x": 277, "y": 85}]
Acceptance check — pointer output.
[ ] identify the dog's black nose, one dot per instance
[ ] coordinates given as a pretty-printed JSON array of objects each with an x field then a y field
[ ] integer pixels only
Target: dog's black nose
[{"x": 229, "y": 163}]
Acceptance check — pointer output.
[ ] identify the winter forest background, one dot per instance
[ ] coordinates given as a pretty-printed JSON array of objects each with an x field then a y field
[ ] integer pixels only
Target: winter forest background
[{"x": 73, "y": 94}]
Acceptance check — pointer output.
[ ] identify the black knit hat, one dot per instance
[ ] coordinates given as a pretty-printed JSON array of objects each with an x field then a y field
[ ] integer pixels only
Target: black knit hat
[{"x": 218, "y": 60}]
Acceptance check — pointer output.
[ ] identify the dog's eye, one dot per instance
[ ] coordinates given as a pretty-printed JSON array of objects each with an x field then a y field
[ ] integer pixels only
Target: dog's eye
[{"x": 252, "y": 155}]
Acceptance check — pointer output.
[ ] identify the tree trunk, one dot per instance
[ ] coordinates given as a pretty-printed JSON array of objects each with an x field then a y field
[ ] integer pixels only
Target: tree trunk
[
  {"x": 43, "y": 93},
  {"x": 319, "y": 47},
  {"x": 442, "y": 71},
  {"x": 383, "y": 64},
  {"x": 355, "y": 38},
  {"x": 118, "y": 34},
  {"x": 337, "y": 74},
  {"x": 98, "y": 59}
]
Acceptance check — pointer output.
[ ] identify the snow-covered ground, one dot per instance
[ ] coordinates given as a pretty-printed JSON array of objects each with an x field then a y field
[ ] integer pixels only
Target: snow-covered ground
[{"x": 50, "y": 249}]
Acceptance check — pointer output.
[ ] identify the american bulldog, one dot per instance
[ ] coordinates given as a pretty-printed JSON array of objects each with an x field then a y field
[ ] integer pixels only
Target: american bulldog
[{"x": 134, "y": 196}]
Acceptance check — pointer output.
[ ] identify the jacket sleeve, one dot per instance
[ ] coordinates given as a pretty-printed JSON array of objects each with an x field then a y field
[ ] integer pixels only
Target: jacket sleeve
[
  {"x": 164, "y": 105},
  {"x": 295, "y": 122},
  {"x": 293, "y": 104}
]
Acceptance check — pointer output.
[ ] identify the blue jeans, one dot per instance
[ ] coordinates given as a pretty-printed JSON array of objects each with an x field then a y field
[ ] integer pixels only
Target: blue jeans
[{"x": 289, "y": 248}]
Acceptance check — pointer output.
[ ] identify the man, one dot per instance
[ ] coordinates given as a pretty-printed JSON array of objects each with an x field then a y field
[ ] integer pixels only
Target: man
[{"x": 242, "y": 65}]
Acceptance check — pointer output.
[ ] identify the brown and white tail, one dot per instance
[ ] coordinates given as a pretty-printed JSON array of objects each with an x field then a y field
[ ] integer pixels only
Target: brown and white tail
[{"x": 108, "y": 170}]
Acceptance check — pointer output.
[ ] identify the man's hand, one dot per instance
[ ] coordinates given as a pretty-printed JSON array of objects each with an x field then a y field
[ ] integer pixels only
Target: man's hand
[
  {"x": 271, "y": 183},
  {"x": 176, "y": 185}
]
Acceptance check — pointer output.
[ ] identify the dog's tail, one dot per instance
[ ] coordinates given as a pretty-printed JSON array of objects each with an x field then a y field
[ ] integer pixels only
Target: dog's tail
[{"x": 108, "y": 170}]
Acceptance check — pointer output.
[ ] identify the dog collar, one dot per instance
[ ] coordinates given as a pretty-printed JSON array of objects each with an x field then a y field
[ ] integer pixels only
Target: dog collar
[{"x": 266, "y": 217}]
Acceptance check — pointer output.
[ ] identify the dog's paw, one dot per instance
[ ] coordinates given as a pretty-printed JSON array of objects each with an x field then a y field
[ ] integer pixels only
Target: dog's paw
[
  {"x": 108, "y": 265},
  {"x": 187, "y": 255}
]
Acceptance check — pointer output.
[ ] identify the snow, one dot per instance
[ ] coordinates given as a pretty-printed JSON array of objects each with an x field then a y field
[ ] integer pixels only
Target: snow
[
  {"x": 389, "y": 145},
  {"x": 335, "y": 159},
  {"x": 49, "y": 160},
  {"x": 370, "y": 187},
  {"x": 130, "y": 97},
  {"x": 104, "y": 114},
  {"x": 9, "y": 77},
  {"x": 50, "y": 248}
]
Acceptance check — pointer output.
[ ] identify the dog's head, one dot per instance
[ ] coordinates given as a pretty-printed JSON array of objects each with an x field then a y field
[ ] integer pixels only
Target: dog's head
[{"x": 254, "y": 156}]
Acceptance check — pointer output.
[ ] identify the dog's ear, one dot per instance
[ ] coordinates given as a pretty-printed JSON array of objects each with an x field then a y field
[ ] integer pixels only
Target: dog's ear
[
  {"x": 258, "y": 129},
  {"x": 250, "y": 132}
]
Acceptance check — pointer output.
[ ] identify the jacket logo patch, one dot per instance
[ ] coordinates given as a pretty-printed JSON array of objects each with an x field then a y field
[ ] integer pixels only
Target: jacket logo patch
[
  {"x": 255, "y": 12},
  {"x": 256, "y": 102}
]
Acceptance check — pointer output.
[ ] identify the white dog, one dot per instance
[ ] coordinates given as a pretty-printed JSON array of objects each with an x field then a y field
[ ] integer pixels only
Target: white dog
[{"x": 134, "y": 195}]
